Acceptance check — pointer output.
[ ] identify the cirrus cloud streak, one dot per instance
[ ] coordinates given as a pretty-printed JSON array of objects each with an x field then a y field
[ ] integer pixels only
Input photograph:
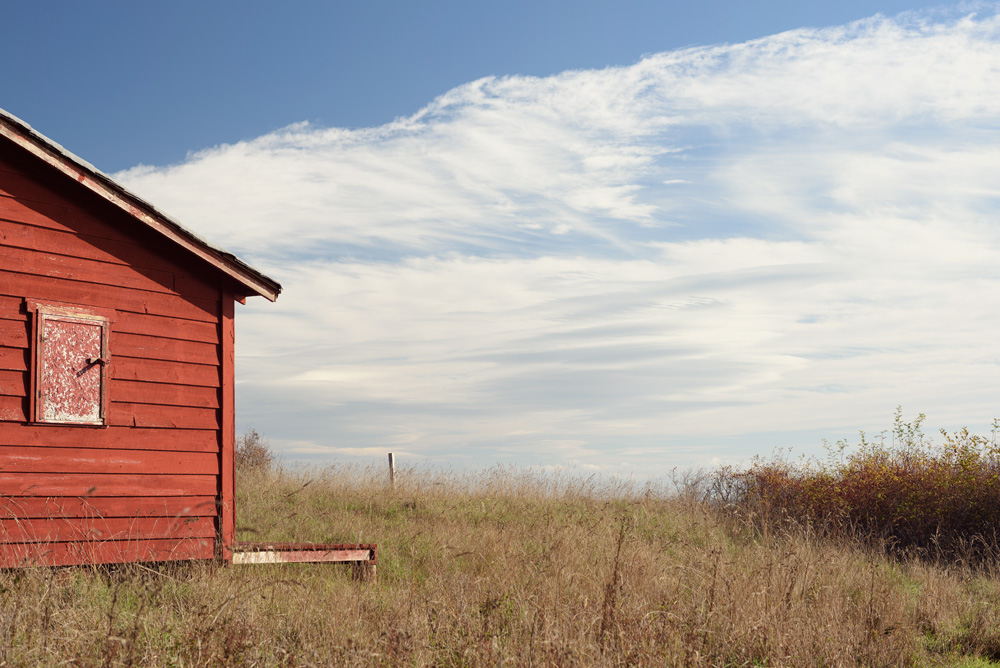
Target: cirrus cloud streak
[{"x": 702, "y": 255}]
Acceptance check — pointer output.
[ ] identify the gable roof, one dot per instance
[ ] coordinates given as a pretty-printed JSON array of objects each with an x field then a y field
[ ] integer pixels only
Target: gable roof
[{"x": 81, "y": 171}]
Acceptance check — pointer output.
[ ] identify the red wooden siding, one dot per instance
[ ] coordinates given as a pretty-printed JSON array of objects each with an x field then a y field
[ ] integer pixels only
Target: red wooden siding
[
  {"x": 227, "y": 477},
  {"x": 104, "y": 484},
  {"x": 146, "y": 485},
  {"x": 104, "y": 552},
  {"x": 143, "y": 507}
]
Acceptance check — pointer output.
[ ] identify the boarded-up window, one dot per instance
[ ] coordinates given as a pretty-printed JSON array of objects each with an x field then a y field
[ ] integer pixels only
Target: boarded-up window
[{"x": 70, "y": 365}]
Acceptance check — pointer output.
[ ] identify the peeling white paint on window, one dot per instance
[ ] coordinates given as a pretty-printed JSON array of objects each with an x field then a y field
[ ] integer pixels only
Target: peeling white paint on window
[{"x": 71, "y": 356}]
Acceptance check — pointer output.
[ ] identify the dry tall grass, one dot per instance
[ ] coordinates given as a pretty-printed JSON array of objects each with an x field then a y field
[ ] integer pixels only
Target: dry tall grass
[{"x": 505, "y": 567}]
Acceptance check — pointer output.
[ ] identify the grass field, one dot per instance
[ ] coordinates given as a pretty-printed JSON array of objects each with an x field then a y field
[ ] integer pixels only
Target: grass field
[{"x": 511, "y": 567}]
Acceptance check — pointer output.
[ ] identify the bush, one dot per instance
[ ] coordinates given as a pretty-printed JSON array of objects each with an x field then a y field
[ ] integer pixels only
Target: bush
[
  {"x": 911, "y": 495},
  {"x": 253, "y": 452}
]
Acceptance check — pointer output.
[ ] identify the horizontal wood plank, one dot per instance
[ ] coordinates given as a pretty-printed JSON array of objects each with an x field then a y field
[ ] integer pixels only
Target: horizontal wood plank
[
  {"x": 162, "y": 371},
  {"x": 171, "y": 328},
  {"x": 141, "y": 506},
  {"x": 53, "y": 229},
  {"x": 301, "y": 556},
  {"x": 31, "y": 183},
  {"x": 103, "y": 529},
  {"x": 15, "y": 555},
  {"x": 14, "y": 359},
  {"x": 109, "y": 297},
  {"x": 24, "y": 459},
  {"x": 161, "y": 394},
  {"x": 159, "y": 348},
  {"x": 14, "y": 409},
  {"x": 31, "y": 186},
  {"x": 70, "y": 266},
  {"x": 19, "y": 210},
  {"x": 29, "y": 236},
  {"x": 127, "y": 414},
  {"x": 14, "y": 333},
  {"x": 12, "y": 308},
  {"x": 90, "y": 485},
  {"x": 118, "y": 438},
  {"x": 13, "y": 383},
  {"x": 176, "y": 417}
]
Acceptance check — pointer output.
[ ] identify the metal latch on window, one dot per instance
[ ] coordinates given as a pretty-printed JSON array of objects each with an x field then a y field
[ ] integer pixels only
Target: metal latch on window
[{"x": 91, "y": 361}]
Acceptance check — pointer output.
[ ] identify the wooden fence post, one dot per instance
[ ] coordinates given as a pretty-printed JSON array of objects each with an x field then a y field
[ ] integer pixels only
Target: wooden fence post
[{"x": 392, "y": 471}]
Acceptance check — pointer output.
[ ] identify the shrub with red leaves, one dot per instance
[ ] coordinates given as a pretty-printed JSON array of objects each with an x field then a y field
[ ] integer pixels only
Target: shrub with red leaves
[{"x": 913, "y": 496}]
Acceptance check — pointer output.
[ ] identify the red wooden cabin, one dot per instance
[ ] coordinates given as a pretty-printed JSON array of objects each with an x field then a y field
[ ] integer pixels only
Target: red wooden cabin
[{"x": 116, "y": 369}]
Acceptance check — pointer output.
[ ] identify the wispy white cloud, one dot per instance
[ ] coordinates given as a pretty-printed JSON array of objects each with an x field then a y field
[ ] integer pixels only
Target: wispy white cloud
[{"x": 654, "y": 264}]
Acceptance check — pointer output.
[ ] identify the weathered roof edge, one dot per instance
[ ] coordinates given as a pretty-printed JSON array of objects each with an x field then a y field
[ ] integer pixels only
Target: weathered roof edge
[{"x": 104, "y": 186}]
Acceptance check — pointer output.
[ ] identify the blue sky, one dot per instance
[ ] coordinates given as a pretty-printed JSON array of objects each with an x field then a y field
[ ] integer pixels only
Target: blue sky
[
  {"x": 135, "y": 82},
  {"x": 618, "y": 238}
]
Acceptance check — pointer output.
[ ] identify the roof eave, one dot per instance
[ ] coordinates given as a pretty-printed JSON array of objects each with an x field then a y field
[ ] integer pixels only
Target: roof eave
[{"x": 82, "y": 172}]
